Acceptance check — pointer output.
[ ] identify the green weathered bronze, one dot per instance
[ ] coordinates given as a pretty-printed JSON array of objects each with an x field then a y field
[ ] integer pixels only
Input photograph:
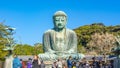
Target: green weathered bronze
[{"x": 59, "y": 42}]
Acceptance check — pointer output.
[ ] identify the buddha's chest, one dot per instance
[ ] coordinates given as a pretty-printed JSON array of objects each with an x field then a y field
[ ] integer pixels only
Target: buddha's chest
[
  {"x": 60, "y": 41},
  {"x": 59, "y": 38}
]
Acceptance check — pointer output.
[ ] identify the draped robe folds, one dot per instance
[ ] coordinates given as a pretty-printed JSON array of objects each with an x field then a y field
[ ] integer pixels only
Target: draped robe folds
[{"x": 53, "y": 50}]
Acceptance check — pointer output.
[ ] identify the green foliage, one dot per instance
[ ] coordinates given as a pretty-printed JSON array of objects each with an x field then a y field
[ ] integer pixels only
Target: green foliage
[
  {"x": 38, "y": 49},
  {"x": 3, "y": 35},
  {"x": 81, "y": 49},
  {"x": 25, "y": 49},
  {"x": 84, "y": 33},
  {"x": 2, "y": 53}
]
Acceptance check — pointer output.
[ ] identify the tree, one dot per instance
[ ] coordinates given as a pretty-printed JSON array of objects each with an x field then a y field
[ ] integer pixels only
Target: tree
[
  {"x": 3, "y": 39},
  {"x": 23, "y": 49},
  {"x": 38, "y": 48},
  {"x": 81, "y": 49},
  {"x": 102, "y": 43},
  {"x": 84, "y": 33}
]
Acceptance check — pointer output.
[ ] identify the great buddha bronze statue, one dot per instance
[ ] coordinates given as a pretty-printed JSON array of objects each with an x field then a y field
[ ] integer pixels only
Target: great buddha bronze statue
[{"x": 59, "y": 42}]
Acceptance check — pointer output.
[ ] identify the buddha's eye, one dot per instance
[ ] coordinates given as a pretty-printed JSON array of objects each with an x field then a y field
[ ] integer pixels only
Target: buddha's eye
[{"x": 56, "y": 20}]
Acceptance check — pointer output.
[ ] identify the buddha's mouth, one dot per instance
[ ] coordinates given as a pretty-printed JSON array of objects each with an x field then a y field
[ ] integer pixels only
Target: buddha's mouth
[{"x": 59, "y": 24}]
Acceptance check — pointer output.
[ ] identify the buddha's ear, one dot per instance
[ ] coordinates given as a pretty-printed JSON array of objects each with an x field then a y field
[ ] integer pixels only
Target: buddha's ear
[
  {"x": 54, "y": 23},
  {"x": 53, "y": 18},
  {"x": 65, "y": 20}
]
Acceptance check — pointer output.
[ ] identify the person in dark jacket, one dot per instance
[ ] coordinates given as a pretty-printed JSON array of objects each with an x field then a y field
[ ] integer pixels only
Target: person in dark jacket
[
  {"x": 69, "y": 62},
  {"x": 95, "y": 64},
  {"x": 36, "y": 62}
]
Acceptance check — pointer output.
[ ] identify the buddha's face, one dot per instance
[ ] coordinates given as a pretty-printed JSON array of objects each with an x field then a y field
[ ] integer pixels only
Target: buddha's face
[{"x": 60, "y": 22}]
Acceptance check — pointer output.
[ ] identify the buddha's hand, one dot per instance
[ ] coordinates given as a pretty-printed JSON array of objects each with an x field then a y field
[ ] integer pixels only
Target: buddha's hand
[
  {"x": 62, "y": 52},
  {"x": 70, "y": 51}
]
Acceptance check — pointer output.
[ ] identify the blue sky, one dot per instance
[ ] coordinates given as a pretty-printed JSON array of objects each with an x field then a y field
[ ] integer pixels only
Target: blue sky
[{"x": 32, "y": 18}]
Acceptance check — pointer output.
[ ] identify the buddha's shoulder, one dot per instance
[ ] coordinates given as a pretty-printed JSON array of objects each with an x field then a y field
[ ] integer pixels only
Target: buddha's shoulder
[
  {"x": 70, "y": 31},
  {"x": 48, "y": 31}
]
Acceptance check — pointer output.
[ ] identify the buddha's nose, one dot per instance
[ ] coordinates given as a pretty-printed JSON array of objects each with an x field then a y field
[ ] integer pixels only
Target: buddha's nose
[{"x": 60, "y": 22}]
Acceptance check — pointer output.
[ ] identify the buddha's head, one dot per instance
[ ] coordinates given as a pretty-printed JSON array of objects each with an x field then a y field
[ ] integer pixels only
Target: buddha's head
[{"x": 60, "y": 19}]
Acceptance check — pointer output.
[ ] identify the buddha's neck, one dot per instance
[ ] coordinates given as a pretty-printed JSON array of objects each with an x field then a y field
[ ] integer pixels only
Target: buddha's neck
[{"x": 60, "y": 30}]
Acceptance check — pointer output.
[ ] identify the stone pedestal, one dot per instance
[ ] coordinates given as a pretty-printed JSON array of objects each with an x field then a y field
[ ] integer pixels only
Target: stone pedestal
[{"x": 48, "y": 64}]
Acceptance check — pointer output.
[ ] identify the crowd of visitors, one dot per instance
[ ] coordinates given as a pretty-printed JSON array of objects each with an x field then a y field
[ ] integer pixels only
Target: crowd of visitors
[
  {"x": 61, "y": 63},
  {"x": 31, "y": 63}
]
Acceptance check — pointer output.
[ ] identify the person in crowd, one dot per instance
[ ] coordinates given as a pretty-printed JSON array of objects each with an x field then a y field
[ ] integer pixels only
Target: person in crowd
[
  {"x": 64, "y": 63},
  {"x": 42, "y": 65},
  {"x": 100, "y": 63},
  {"x": 73, "y": 64},
  {"x": 29, "y": 63},
  {"x": 80, "y": 64},
  {"x": 59, "y": 63},
  {"x": 54, "y": 65},
  {"x": 77, "y": 64},
  {"x": 87, "y": 64},
  {"x": 95, "y": 64},
  {"x": 36, "y": 62},
  {"x": 69, "y": 62},
  {"x": 16, "y": 62},
  {"x": 23, "y": 63},
  {"x": 111, "y": 63},
  {"x": 83, "y": 63}
]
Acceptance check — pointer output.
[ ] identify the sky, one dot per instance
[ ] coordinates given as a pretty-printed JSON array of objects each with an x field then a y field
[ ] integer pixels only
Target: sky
[{"x": 32, "y": 18}]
